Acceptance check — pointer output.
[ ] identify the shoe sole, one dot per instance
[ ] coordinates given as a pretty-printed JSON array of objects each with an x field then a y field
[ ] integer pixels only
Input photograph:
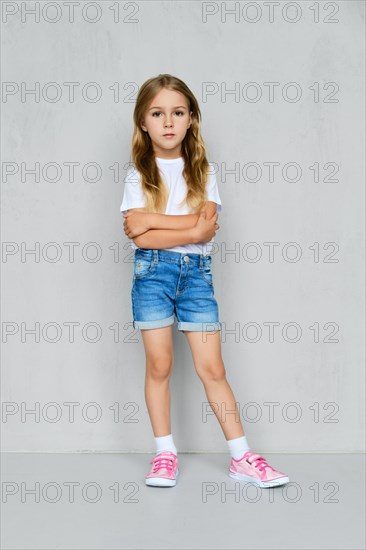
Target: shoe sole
[
  {"x": 161, "y": 481},
  {"x": 264, "y": 484}
]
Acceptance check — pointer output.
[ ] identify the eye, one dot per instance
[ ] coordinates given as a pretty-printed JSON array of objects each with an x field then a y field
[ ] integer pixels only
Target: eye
[{"x": 180, "y": 113}]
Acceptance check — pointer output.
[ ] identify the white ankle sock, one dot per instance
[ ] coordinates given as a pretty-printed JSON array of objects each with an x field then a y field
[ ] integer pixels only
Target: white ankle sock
[
  {"x": 238, "y": 447},
  {"x": 165, "y": 443}
]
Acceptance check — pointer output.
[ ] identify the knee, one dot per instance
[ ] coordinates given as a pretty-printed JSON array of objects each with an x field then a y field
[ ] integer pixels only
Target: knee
[
  {"x": 212, "y": 373},
  {"x": 159, "y": 367}
]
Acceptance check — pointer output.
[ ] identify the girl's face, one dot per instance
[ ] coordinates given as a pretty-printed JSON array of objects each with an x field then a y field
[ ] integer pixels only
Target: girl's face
[{"x": 167, "y": 120}]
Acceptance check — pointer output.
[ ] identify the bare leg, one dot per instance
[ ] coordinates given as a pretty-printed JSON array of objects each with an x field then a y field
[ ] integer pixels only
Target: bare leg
[
  {"x": 206, "y": 353},
  {"x": 158, "y": 343}
]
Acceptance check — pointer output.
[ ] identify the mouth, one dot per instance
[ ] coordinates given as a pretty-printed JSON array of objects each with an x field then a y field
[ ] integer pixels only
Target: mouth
[{"x": 169, "y": 135}]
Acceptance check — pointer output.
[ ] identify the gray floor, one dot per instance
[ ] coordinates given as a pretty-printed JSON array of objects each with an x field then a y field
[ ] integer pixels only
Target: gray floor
[{"x": 322, "y": 507}]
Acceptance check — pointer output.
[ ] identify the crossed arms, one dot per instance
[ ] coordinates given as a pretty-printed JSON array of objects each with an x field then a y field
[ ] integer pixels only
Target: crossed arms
[{"x": 152, "y": 230}]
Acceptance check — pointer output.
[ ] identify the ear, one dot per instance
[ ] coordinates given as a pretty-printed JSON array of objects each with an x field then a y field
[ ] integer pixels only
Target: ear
[{"x": 190, "y": 119}]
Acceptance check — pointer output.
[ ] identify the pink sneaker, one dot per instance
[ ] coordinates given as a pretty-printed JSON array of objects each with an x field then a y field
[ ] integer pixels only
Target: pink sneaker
[
  {"x": 164, "y": 470},
  {"x": 253, "y": 467}
]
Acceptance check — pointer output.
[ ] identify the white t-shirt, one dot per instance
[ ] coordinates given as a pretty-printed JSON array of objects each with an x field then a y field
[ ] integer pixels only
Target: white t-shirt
[{"x": 172, "y": 172}]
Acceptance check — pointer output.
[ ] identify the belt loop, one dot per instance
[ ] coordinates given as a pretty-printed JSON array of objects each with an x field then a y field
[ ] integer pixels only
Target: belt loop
[
  {"x": 156, "y": 256},
  {"x": 201, "y": 261}
]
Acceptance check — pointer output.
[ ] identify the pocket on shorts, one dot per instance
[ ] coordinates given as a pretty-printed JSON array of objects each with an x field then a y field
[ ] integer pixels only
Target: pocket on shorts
[
  {"x": 206, "y": 271},
  {"x": 143, "y": 267}
]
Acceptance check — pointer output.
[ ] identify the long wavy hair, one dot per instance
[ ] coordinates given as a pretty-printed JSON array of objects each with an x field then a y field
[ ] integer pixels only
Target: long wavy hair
[{"x": 196, "y": 166}]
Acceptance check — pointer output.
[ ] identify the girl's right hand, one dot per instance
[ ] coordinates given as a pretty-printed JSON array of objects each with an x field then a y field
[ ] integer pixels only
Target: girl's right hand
[{"x": 205, "y": 229}]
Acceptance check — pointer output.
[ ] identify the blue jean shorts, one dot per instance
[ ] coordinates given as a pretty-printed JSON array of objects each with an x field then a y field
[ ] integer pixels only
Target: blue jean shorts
[{"x": 170, "y": 285}]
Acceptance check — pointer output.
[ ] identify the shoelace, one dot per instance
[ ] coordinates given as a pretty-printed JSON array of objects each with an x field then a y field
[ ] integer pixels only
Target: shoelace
[
  {"x": 162, "y": 462},
  {"x": 258, "y": 462}
]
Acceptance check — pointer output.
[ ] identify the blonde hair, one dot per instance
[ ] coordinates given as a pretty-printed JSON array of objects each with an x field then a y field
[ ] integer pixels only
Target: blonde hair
[{"x": 196, "y": 166}]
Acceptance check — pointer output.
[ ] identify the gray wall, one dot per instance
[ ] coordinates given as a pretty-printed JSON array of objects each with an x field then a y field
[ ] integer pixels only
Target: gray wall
[{"x": 311, "y": 372}]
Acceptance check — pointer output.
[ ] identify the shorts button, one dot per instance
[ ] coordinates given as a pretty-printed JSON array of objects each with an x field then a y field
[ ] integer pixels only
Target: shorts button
[{"x": 186, "y": 259}]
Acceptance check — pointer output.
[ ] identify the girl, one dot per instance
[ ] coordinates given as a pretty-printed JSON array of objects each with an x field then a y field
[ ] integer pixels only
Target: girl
[{"x": 170, "y": 206}]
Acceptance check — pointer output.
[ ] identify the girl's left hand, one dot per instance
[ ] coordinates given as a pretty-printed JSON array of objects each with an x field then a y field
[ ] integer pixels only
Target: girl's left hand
[{"x": 135, "y": 224}]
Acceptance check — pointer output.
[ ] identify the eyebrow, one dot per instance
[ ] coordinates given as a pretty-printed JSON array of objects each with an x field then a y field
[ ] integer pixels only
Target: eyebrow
[{"x": 179, "y": 107}]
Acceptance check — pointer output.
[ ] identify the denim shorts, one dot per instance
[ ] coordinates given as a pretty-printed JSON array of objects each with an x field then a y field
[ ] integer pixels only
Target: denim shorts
[{"x": 169, "y": 285}]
